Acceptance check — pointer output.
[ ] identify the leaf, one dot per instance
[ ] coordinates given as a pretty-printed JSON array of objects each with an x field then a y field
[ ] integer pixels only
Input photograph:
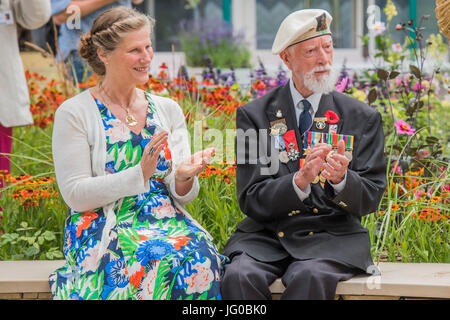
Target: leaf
[
  {"x": 373, "y": 94},
  {"x": 415, "y": 71},
  {"x": 393, "y": 74},
  {"x": 49, "y": 236},
  {"x": 31, "y": 251},
  {"x": 431, "y": 139},
  {"x": 382, "y": 74}
]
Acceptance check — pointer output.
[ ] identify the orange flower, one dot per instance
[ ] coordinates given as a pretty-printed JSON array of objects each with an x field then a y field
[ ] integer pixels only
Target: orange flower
[
  {"x": 135, "y": 278},
  {"x": 435, "y": 199}
]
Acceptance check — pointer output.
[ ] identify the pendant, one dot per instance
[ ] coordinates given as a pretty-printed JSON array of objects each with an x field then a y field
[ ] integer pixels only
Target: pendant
[{"x": 130, "y": 120}]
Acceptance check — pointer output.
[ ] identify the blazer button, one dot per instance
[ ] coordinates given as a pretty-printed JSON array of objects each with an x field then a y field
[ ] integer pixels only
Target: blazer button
[
  {"x": 315, "y": 210},
  {"x": 281, "y": 234},
  {"x": 311, "y": 233}
]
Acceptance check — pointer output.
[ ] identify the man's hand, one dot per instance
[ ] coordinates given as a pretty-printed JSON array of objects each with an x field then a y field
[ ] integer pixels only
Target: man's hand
[
  {"x": 336, "y": 165},
  {"x": 314, "y": 162}
]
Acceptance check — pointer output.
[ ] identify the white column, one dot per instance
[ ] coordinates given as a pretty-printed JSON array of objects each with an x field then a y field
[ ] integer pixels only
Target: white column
[
  {"x": 359, "y": 23},
  {"x": 243, "y": 17}
]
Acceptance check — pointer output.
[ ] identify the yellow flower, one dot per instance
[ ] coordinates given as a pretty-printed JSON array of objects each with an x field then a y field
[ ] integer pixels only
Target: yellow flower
[
  {"x": 360, "y": 95},
  {"x": 437, "y": 48},
  {"x": 390, "y": 10}
]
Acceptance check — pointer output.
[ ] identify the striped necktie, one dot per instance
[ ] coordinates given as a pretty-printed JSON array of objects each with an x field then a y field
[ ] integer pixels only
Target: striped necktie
[{"x": 305, "y": 120}]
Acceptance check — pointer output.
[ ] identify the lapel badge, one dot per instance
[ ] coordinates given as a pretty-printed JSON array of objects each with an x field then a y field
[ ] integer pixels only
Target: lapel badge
[
  {"x": 279, "y": 114},
  {"x": 332, "y": 117},
  {"x": 320, "y": 123},
  {"x": 278, "y": 127}
]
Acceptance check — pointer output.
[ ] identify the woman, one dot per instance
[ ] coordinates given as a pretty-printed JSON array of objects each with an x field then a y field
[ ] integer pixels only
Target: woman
[{"x": 123, "y": 166}]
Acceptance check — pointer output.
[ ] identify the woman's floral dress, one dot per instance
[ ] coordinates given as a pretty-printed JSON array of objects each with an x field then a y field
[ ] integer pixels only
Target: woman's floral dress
[{"x": 156, "y": 252}]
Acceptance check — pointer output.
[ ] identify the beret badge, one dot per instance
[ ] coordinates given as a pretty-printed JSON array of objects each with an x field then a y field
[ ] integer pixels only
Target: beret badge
[{"x": 321, "y": 22}]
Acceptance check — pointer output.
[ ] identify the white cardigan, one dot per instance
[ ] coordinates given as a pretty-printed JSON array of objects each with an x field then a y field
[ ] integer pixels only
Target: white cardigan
[{"x": 79, "y": 156}]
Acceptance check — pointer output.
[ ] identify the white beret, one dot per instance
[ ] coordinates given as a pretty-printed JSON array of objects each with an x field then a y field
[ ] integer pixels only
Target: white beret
[{"x": 301, "y": 25}]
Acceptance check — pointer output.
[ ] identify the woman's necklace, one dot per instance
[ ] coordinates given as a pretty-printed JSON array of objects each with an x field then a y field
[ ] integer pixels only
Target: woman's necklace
[{"x": 129, "y": 119}]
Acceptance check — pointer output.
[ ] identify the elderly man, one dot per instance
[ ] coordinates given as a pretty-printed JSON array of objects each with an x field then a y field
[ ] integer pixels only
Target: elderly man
[{"x": 322, "y": 169}]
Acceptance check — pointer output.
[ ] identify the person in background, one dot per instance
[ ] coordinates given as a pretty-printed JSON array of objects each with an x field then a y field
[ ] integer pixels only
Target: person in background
[
  {"x": 124, "y": 167},
  {"x": 74, "y": 18},
  {"x": 15, "y": 100}
]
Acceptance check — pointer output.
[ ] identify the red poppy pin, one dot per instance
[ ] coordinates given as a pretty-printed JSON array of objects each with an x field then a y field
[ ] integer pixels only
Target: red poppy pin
[{"x": 332, "y": 117}]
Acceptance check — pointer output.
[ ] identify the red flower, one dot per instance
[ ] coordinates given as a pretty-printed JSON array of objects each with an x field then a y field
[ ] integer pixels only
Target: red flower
[{"x": 332, "y": 117}]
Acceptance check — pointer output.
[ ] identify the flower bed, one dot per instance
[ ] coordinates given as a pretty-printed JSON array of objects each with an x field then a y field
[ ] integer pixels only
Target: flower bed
[{"x": 411, "y": 224}]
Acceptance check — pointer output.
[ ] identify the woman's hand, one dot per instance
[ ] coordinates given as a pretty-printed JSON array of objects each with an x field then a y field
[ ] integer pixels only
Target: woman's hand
[
  {"x": 194, "y": 165},
  {"x": 151, "y": 153}
]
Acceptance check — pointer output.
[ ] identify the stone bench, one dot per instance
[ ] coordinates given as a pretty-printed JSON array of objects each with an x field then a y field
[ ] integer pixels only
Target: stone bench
[{"x": 29, "y": 280}]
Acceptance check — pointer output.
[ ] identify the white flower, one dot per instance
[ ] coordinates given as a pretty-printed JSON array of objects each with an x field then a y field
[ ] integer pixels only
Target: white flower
[
  {"x": 165, "y": 210},
  {"x": 118, "y": 132},
  {"x": 200, "y": 279}
]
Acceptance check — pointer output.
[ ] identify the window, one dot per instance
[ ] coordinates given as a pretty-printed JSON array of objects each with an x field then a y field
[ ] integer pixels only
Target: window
[
  {"x": 270, "y": 14},
  {"x": 170, "y": 15}
]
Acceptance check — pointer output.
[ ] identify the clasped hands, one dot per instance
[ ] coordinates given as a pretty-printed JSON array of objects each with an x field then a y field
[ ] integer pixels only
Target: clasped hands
[
  {"x": 333, "y": 166},
  {"x": 189, "y": 168}
]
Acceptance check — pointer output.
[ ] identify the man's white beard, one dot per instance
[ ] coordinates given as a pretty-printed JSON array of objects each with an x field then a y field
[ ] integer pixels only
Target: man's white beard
[{"x": 326, "y": 82}]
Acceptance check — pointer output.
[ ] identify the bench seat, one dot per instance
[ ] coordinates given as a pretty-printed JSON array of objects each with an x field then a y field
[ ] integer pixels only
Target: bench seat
[{"x": 29, "y": 280}]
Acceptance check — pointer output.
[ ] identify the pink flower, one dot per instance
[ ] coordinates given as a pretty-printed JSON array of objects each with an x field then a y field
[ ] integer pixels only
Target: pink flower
[
  {"x": 342, "y": 85},
  {"x": 416, "y": 87},
  {"x": 396, "y": 47},
  {"x": 378, "y": 28},
  {"x": 403, "y": 127}
]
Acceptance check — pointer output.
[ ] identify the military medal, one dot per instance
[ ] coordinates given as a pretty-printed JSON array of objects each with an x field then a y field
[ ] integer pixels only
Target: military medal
[
  {"x": 284, "y": 156},
  {"x": 290, "y": 141},
  {"x": 332, "y": 129},
  {"x": 332, "y": 139},
  {"x": 293, "y": 154},
  {"x": 279, "y": 143},
  {"x": 348, "y": 155}
]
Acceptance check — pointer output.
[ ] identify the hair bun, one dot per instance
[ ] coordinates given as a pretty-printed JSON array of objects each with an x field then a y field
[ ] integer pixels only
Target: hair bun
[{"x": 86, "y": 46}]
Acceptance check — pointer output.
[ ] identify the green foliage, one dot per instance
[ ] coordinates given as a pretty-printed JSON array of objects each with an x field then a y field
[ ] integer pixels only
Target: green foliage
[{"x": 214, "y": 44}]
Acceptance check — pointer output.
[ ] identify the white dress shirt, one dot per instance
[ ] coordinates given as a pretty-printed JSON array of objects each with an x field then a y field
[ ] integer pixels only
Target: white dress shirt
[{"x": 314, "y": 100}]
